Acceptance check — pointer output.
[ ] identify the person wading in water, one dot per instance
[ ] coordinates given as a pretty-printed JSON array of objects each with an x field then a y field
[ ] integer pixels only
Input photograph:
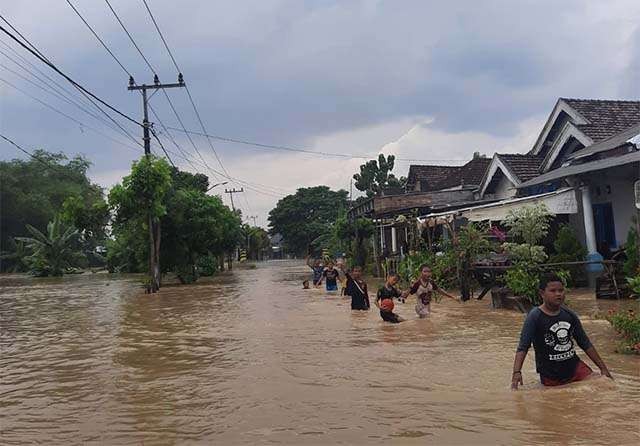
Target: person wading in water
[
  {"x": 318, "y": 268},
  {"x": 424, "y": 288},
  {"x": 332, "y": 277},
  {"x": 552, "y": 328},
  {"x": 384, "y": 299},
  {"x": 357, "y": 289}
]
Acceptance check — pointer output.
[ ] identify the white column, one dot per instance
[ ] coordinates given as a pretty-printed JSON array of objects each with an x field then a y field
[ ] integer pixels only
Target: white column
[
  {"x": 382, "y": 241},
  {"x": 589, "y": 224},
  {"x": 394, "y": 240}
]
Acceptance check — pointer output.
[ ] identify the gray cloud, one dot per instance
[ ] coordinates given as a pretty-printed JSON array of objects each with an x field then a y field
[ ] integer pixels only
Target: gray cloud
[{"x": 294, "y": 72}]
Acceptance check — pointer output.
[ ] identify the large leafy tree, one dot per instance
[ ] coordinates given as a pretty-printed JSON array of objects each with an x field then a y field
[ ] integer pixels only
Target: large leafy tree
[
  {"x": 90, "y": 217},
  {"x": 355, "y": 233},
  {"x": 196, "y": 226},
  {"x": 306, "y": 215},
  {"x": 141, "y": 201},
  {"x": 375, "y": 176},
  {"x": 33, "y": 192}
]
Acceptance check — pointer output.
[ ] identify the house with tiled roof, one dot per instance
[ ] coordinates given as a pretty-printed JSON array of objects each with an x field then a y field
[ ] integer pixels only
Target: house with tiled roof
[
  {"x": 584, "y": 166},
  {"x": 592, "y": 146},
  {"x": 427, "y": 178},
  {"x": 429, "y": 188},
  {"x": 506, "y": 172},
  {"x": 575, "y": 124}
]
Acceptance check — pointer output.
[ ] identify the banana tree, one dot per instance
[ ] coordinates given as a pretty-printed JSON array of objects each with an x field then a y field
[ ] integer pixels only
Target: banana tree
[{"x": 52, "y": 252}]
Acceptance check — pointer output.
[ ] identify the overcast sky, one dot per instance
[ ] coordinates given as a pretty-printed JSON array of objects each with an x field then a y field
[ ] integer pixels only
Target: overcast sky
[{"x": 424, "y": 80}]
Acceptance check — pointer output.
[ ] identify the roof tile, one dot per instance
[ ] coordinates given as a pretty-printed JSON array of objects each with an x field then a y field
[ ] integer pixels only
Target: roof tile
[
  {"x": 606, "y": 117},
  {"x": 524, "y": 167}
]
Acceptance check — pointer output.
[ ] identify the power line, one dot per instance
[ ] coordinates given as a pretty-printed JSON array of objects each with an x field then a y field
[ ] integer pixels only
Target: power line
[
  {"x": 173, "y": 108},
  {"x": 170, "y": 136},
  {"x": 88, "y": 94},
  {"x": 130, "y": 37},
  {"x": 68, "y": 78},
  {"x": 193, "y": 144},
  {"x": 99, "y": 39},
  {"x": 82, "y": 124},
  {"x": 193, "y": 104},
  {"x": 311, "y": 152},
  {"x": 40, "y": 160},
  {"x": 52, "y": 91},
  {"x": 173, "y": 59},
  {"x": 115, "y": 58},
  {"x": 23, "y": 37},
  {"x": 162, "y": 146},
  {"x": 42, "y": 73}
]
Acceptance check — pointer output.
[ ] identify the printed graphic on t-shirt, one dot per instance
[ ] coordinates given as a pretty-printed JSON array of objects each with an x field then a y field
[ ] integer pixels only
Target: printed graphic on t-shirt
[{"x": 559, "y": 339}]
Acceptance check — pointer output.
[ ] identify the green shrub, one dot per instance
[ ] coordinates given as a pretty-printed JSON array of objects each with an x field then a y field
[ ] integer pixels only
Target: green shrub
[
  {"x": 409, "y": 268},
  {"x": 569, "y": 249},
  {"x": 524, "y": 281},
  {"x": 627, "y": 324},
  {"x": 634, "y": 284},
  {"x": 631, "y": 266},
  {"x": 186, "y": 273},
  {"x": 443, "y": 267},
  {"x": 208, "y": 265}
]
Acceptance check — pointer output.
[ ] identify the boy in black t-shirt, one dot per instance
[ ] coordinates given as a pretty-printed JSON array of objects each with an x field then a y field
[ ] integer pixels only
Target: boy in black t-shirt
[
  {"x": 552, "y": 329},
  {"x": 384, "y": 299},
  {"x": 331, "y": 276},
  {"x": 357, "y": 289}
]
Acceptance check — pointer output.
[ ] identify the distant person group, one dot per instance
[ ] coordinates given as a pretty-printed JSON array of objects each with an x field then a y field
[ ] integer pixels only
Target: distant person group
[
  {"x": 355, "y": 287},
  {"x": 551, "y": 327}
]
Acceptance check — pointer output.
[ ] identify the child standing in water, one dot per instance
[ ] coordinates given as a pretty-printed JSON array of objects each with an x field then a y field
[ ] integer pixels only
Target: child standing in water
[
  {"x": 332, "y": 277},
  {"x": 318, "y": 268},
  {"x": 424, "y": 288},
  {"x": 552, "y": 328},
  {"x": 384, "y": 299},
  {"x": 357, "y": 289}
]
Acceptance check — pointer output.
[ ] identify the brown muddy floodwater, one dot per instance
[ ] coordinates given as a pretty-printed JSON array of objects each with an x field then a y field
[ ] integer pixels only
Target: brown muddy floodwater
[{"x": 250, "y": 358}]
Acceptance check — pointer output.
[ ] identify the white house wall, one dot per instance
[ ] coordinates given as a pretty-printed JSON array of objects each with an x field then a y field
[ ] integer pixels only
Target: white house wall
[
  {"x": 576, "y": 221},
  {"x": 622, "y": 202}
]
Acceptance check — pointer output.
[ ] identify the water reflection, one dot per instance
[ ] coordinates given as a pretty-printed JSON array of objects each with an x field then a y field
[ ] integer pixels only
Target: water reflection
[{"x": 249, "y": 357}]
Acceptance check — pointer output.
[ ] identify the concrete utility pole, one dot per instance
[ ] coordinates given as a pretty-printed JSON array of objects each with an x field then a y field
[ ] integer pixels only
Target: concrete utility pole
[
  {"x": 154, "y": 226},
  {"x": 231, "y": 192}
]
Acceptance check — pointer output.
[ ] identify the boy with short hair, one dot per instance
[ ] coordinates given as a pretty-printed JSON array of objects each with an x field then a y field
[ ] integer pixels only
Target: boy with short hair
[
  {"x": 384, "y": 299},
  {"x": 357, "y": 289},
  {"x": 552, "y": 328},
  {"x": 318, "y": 268},
  {"x": 332, "y": 277}
]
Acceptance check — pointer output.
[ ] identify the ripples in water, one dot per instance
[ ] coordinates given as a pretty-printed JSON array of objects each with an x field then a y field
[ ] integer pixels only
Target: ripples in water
[{"x": 250, "y": 358}]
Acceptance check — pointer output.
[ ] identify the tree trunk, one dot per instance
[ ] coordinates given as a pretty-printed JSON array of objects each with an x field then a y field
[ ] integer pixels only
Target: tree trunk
[
  {"x": 152, "y": 286},
  {"x": 158, "y": 275}
]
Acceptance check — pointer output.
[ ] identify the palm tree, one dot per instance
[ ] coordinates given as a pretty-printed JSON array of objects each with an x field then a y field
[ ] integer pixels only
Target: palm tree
[{"x": 54, "y": 251}]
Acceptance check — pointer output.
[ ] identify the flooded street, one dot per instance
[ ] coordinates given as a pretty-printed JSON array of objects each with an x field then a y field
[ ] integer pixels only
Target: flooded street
[{"x": 250, "y": 358}]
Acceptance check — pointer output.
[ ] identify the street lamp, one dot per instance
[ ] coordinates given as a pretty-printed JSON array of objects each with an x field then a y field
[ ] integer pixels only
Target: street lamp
[{"x": 217, "y": 184}]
